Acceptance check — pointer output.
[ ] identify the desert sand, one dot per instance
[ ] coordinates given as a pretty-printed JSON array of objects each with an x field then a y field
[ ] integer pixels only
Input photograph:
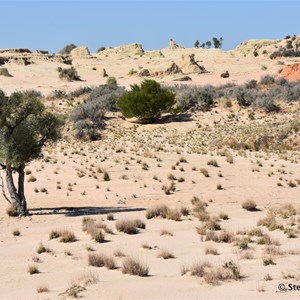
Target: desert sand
[{"x": 140, "y": 160}]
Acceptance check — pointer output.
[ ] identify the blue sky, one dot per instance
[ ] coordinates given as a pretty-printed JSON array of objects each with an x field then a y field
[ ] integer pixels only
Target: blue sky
[{"x": 50, "y": 25}]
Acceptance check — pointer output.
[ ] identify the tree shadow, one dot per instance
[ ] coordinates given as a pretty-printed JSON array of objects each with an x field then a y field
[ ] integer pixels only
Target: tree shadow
[
  {"x": 71, "y": 211},
  {"x": 183, "y": 117}
]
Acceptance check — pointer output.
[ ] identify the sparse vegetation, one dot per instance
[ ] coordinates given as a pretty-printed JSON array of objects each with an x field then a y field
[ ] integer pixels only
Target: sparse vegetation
[
  {"x": 69, "y": 74},
  {"x": 67, "y": 236},
  {"x": 249, "y": 205},
  {"x": 33, "y": 269},
  {"x": 135, "y": 267},
  {"x": 130, "y": 226}
]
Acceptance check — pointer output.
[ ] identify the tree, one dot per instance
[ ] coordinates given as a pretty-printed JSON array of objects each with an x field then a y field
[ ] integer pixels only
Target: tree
[
  {"x": 217, "y": 42},
  {"x": 197, "y": 44},
  {"x": 25, "y": 128},
  {"x": 208, "y": 44},
  {"x": 147, "y": 102}
]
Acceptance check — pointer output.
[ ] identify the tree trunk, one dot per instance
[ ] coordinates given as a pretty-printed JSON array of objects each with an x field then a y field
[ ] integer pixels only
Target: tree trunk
[
  {"x": 18, "y": 199},
  {"x": 21, "y": 192}
]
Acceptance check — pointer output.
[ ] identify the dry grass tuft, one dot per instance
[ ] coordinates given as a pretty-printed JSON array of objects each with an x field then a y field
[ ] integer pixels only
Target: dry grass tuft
[
  {"x": 135, "y": 267},
  {"x": 166, "y": 232},
  {"x": 42, "y": 289},
  {"x": 33, "y": 269},
  {"x": 54, "y": 234},
  {"x": 211, "y": 250},
  {"x": 165, "y": 254},
  {"x": 67, "y": 236},
  {"x": 130, "y": 226},
  {"x": 198, "y": 269},
  {"x": 249, "y": 205},
  {"x": 42, "y": 249},
  {"x": 101, "y": 260}
]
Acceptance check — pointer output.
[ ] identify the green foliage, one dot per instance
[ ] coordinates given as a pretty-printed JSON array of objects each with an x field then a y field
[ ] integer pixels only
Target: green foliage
[
  {"x": 197, "y": 44},
  {"x": 147, "y": 102},
  {"x": 25, "y": 127},
  {"x": 217, "y": 42},
  {"x": 208, "y": 44}
]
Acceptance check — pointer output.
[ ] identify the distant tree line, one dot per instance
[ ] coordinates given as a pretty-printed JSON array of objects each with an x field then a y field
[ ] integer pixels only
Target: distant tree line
[{"x": 217, "y": 43}]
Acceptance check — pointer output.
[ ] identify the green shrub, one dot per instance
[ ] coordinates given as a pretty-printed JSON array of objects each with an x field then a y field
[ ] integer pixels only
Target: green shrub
[{"x": 146, "y": 102}]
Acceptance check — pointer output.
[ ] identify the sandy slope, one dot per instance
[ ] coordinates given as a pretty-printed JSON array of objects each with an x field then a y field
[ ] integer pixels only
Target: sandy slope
[
  {"x": 128, "y": 198},
  {"x": 71, "y": 172}
]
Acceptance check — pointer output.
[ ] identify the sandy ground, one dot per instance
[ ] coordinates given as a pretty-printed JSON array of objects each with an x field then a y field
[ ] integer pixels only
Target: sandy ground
[{"x": 70, "y": 186}]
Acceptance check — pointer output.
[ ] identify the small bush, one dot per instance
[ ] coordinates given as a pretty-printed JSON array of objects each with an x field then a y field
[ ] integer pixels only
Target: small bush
[
  {"x": 42, "y": 249},
  {"x": 99, "y": 236},
  {"x": 249, "y": 205},
  {"x": 212, "y": 162},
  {"x": 110, "y": 217},
  {"x": 268, "y": 261},
  {"x": 233, "y": 267},
  {"x": 170, "y": 188},
  {"x": 80, "y": 91},
  {"x": 100, "y": 260},
  {"x": 31, "y": 178},
  {"x": 251, "y": 84},
  {"x": 4, "y": 72},
  {"x": 130, "y": 226},
  {"x": 211, "y": 250},
  {"x": 67, "y": 237},
  {"x": 174, "y": 214},
  {"x": 106, "y": 176},
  {"x": 166, "y": 232},
  {"x": 209, "y": 225},
  {"x": 111, "y": 81},
  {"x": 88, "y": 119},
  {"x": 134, "y": 267},
  {"x": 198, "y": 269},
  {"x": 165, "y": 254},
  {"x": 96, "y": 260},
  {"x": 16, "y": 232},
  {"x": 267, "y": 79},
  {"x": 54, "y": 234},
  {"x": 146, "y": 102},
  {"x": 157, "y": 211},
  {"x": 42, "y": 289},
  {"x": 194, "y": 97},
  {"x": 69, "y": 74},
  {"x": 269, "y": 222},
  {"x": 33, "y": 269},
  {"x": 198, "y": 205}
]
